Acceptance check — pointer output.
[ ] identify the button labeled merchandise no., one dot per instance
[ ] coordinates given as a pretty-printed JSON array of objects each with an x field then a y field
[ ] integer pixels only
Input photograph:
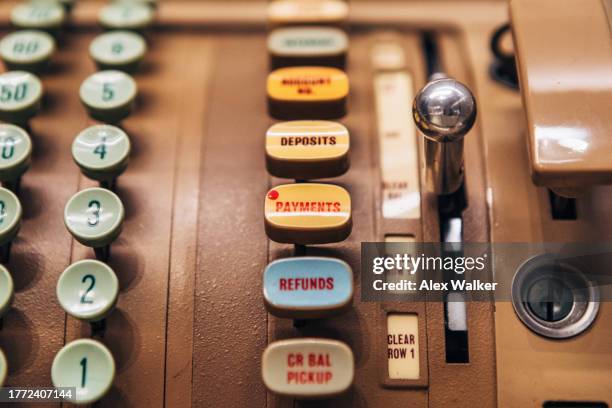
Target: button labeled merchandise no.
[
  {"x": 307, "y": 93},
  {"x": 307, "y": 150},
  {"x": 109, "y": 95},
  {"x": 308, "y": 213},
  {"x": 307, "y": 287},
  {"x": 86, "y": 365},
  {"x": 308, "y": 367},
  {"x": 88, "y": 290}
]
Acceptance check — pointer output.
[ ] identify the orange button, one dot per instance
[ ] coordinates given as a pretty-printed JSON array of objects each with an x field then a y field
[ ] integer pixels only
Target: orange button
[
  {"x": 308, "y": 367},
  {"x": 308, "y": 213},
  {"x": 307, "y": 149},
  {"x": 307, "y": 93}
]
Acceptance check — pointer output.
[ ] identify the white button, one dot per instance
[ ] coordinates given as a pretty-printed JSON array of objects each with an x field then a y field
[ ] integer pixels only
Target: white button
[
  {"x": 20, "y": 95},
  {"x": 88, "y": 290},
  {"x": 28, "y": 50},
  {"x": 118, "y": 50},
  {"x": 102, "y": 152},
  {"x": 86, "y": 365},
  {"x": 15, "y": 152},
  {"x": 403, "y": 346},
  {"x": 126, "y": 16},
  {"x": 10, "y": 215},
  {"x": 45, "y": 15},
  {"x": 94, "y": 217},
  {"x": 109, "y": 95},
  {"x": 6, "y": 291},
  {"x": 3, "y": 368}
]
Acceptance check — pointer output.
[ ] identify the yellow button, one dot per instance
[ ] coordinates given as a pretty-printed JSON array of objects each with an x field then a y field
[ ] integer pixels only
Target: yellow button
[
  {"x": 308, "y": 367},
  {"x": 307, "y": 93},
  {"x": 307, "y": 149},
  {"x": 308, "y": 213},
  {"x": 292, "y": 12}
]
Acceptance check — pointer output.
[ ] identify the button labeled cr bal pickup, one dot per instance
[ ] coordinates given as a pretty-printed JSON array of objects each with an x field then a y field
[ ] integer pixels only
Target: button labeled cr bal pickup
[
  {"x": 307, "y": 93},
  {"x": 305, "y": 150},
  {"x": 307, "y": 287},
  {"x": 308, "y": 367},
  {"x": 308, "y": 213},
  {"x": 295, "y": 46}
]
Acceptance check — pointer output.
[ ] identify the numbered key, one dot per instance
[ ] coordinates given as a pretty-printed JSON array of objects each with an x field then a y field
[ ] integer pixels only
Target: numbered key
[
  {"x": 297, "y": 12},
  {"x": 15, "y": 154},
  {"x": 308, "y": 213},
  {"x": 27, "y": 50},
  {"x": 121, "y": 50},
  {"x": 313, "y": 46},
  {"x": 20, "y": 96},
  {"x": 102, "y": 152},
  {"x": 307, "y": 93},
  {"x": 40, "y": 15},
  {"x": 88, "y": 290},
  {"x": 109, "y": 95},
  {"x": 86, "y": 365},
  {"x": 94, "y": 217},
  {"x": 10, "y": 216},
  {"x": 306, "y": 150},
  {"x": 308, "y": 367},
  {"x": 6, "y": 290},
  {"x": 122, "y": 15},
  {"x": 307, "y": 287},
  {"x": 3, "y": 368}
]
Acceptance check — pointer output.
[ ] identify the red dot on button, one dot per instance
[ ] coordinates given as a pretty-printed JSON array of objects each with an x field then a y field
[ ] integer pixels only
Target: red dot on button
[{"x": 273, "y": 195}]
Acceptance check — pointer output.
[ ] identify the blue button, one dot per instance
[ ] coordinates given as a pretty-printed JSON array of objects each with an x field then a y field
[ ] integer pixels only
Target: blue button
[{"x": 308, "y": 287}]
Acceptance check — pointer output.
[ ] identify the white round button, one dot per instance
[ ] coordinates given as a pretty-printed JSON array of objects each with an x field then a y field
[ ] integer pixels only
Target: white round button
[
  {"x": 3, "y": 368},
  {"x": 109, "y": 95},
  {"x": 88, "y": 366},
  {"x": 94, "y": 217},
  {"x": 102, "y": 152},
  {"x": 88, "y": 290},
  {"x": 6, "y": 291},
  {"x": 122, "y": 50},
  {"x": 44, "y": 15},
  {"x": 15, "y": 152},
  {"x": 28, "y": 50},
  {"x": 20, "y": 95},
  {"x": 10, "y": 215},
  {"x": 125, "y": 15}
]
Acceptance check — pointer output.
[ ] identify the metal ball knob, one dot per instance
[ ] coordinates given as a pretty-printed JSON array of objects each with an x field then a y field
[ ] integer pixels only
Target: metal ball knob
[{"x": 444, "y": 110}]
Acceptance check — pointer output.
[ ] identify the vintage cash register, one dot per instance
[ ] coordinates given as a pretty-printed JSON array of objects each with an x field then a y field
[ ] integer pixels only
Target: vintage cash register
[{"x": 186, "y": 186}]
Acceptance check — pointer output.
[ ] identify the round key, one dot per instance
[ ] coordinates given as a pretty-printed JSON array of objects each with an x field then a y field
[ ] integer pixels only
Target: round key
[
  {"x": 88, "y": 290},
  {"x": 20, "y": 96},
  {"x": 3, "y": 368},
  {"x": 27, "y": 50},
  {"x": 102, "y": 152},
  {"x": 6, "y": 291},
  {"x": 88, "y": 366},
  {"x": 125, "y": 15},
  {"x": 109, "y": 95},
  {"x": 10, "y": 216},
  {"x": 15, "y": 152},
  {"x": 41, "y": 15},
  {"x": 94, "y": 217},
  {"x": 122, "y": 50}
]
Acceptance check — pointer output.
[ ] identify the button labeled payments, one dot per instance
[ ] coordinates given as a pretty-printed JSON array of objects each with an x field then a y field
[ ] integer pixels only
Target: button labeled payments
[
  {"x": 307, "y": 150},
  {"x": 307, "y": 93},
  {"x": 308, "y": 367},
  {"x": 308, "y": 213},
  {"x": 307, "y": 287}
]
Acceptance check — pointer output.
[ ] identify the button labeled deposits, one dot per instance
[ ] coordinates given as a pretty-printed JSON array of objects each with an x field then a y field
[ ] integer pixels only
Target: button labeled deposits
[
  {"x": 307, "y": 150},
  {"x": 308, "y": 367},
  {"x": 295, "y": 46},
  {"x": 307, "y": 287},
  {"x": 308, "y": 213},
  {"x": 307, "y": 93}
]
